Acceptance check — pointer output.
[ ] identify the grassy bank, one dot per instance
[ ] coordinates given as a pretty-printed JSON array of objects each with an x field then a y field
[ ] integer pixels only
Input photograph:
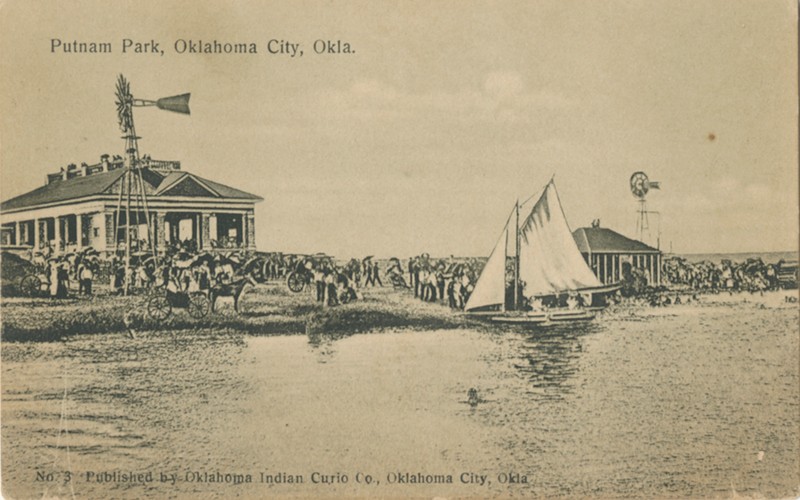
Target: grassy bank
[{"x": 265, "y": 310}]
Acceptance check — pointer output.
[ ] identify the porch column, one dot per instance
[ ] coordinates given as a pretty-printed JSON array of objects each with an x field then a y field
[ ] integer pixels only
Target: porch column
[
  {"x": 36, "y": 229},
  {"x": 614, "y": 267},
  {"x": 57, "y": 228},
  {"x": 645, "y": 268},
  {"x": 600, "y": 268},
  {"x": 652, "y": 269},
  {"x": 160, "y": 231},
  {"x": 79, "y": 231},
  {"x": 251, "y": 231},
  {"x": 206, "y": 230},
  {"x": 244, "y": 230},
  {"x": 111, "y": 238},
  {"x": 198, "y": 238},
  {"x": 658, "y": 271}
]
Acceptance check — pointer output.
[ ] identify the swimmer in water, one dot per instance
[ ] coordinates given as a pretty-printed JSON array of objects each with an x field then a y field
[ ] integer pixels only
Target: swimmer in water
[{"x": 472, "y": 397}]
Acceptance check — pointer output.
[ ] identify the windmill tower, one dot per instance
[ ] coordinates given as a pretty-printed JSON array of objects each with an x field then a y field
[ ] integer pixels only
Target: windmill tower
[
  {"x": 640, "y": 186},
  {"x": 133, "y": 212}
]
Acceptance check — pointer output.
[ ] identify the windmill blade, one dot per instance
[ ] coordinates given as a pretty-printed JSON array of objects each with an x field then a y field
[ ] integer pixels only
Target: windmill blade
[{"x": 123, "y": 94}]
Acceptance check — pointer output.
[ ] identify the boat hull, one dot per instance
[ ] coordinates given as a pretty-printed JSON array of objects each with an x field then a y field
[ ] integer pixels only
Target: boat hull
[{"x": 539, "y": 318}]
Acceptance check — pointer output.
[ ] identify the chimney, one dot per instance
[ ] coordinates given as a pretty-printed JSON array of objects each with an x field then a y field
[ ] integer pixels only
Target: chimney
[
  {"x": 84, "y": 169},
  {"x": 104, "y": 163},
  {"x": 65, "y": 171}
]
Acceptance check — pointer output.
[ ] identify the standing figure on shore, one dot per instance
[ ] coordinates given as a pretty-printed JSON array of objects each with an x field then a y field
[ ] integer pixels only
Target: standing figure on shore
[
  {"x": 52, "y": 274},
  {"x": 431, "y": 288},
  {"x": 440, "y": 280},
  {"x": 78, "y": 276},
  {"x": 451, "y": 294},
  {"x": 368, "y": 270},
  {"x": 422, "y": 280},
  {"x": 85, "y": 277},
  {"x": 319, "y": 282},
  {"x": 62, "y": 277},
  {"x": 330, "y": 292},
  {"x": 376, "y": 275}
]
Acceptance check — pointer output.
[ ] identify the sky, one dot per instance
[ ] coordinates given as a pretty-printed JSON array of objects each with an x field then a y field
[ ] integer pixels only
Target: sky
[{"x": 445, "y": 114}]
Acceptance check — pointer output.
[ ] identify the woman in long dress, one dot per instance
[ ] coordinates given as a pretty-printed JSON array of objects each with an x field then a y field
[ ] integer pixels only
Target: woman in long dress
[
  {"x": 62, "y": 277},
  {"x": 52, "y": 272}
]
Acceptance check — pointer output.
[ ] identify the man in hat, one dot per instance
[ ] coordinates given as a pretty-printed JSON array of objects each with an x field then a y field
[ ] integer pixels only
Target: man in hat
[
  {"x": 85, "y": 277},
  {"x": 376, "y": 275},
  {"x": 319, "y": 282},
  {"x": 368, "y": 270}
]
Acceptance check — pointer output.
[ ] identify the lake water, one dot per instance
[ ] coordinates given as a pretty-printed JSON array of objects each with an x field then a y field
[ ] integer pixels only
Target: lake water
[{"x": 696, "y": 400}]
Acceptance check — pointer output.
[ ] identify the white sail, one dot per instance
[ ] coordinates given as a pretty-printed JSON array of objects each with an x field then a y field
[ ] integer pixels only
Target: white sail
[
  {"x": 550, "y": 261},
  {"x": 490, "y": 290}
]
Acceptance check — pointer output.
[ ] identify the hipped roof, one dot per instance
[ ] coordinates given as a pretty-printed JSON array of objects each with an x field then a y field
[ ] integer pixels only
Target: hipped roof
[
  {"x": 604, "y": 240},
  {"x": 159, "y": 185}
]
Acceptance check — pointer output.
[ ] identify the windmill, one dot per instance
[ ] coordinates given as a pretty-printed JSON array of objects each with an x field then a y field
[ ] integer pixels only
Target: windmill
[
  {"x": 132, "y": 200},
  {"x": 640, "y": 186}
]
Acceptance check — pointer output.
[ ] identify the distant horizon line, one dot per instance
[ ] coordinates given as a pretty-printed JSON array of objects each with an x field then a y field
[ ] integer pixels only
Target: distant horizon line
[{"x": 433, "y": 256}]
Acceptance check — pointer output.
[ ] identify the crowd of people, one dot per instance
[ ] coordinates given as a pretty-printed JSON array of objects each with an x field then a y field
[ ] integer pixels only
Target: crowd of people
[
  {"x": 752, "y": 275},
  {"x": 451, "y": 280},
  {"x": 447, "y": 281},
  {"x": 178, "y": 271},
  {"x": 442, "y": 280},
  {"x": 60, "y": 272}
]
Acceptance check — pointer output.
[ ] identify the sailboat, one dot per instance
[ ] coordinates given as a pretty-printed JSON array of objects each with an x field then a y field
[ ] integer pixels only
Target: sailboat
[{"x": 551, "y": 280}]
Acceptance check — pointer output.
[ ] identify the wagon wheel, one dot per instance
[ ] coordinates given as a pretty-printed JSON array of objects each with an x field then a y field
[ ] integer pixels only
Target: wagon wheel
[
  {"x": 30, "y": 285},
  {"x": 158, "y": 307},
  {"x": 199, "y": 305},
  {"x": 295, "y": 282}
]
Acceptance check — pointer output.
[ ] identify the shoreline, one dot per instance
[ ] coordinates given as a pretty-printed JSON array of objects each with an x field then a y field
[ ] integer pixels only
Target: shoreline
[
  {"x": 271, "y": 309},
  {"x": 267, "y": 309}
]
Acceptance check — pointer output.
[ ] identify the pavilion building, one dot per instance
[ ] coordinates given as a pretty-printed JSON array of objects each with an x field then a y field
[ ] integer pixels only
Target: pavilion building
[
  {"x": 77, "y": 208},
  {"x": 612, "y": 256}
]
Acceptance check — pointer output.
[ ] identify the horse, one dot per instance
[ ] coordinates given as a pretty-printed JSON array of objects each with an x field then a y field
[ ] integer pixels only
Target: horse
[{"x": 233, "y": 289}]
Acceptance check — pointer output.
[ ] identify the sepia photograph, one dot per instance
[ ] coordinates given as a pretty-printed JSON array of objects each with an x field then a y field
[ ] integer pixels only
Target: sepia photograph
[{"x": 399, "y": 249}]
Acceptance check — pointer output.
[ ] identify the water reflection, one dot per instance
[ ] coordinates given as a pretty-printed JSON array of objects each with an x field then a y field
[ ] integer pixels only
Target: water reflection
[
  {"x": 322, "y": 345},
  {"x": 609, "y": 409},
  {"x": 549, "y": 359}
]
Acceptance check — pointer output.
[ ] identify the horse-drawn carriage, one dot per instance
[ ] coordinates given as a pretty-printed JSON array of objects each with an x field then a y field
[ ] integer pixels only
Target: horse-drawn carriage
[
  {"x": 160, "y": 305},
  {"x": 302, "y": 274},
  {"x": 195, "y": 282},
  {"x": 34, "y": 285},
  {"x": 43, "y": 272}
]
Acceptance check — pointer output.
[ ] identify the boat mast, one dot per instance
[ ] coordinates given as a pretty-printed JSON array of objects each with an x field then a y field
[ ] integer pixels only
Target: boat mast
[{"x": 516, "y": 258}]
